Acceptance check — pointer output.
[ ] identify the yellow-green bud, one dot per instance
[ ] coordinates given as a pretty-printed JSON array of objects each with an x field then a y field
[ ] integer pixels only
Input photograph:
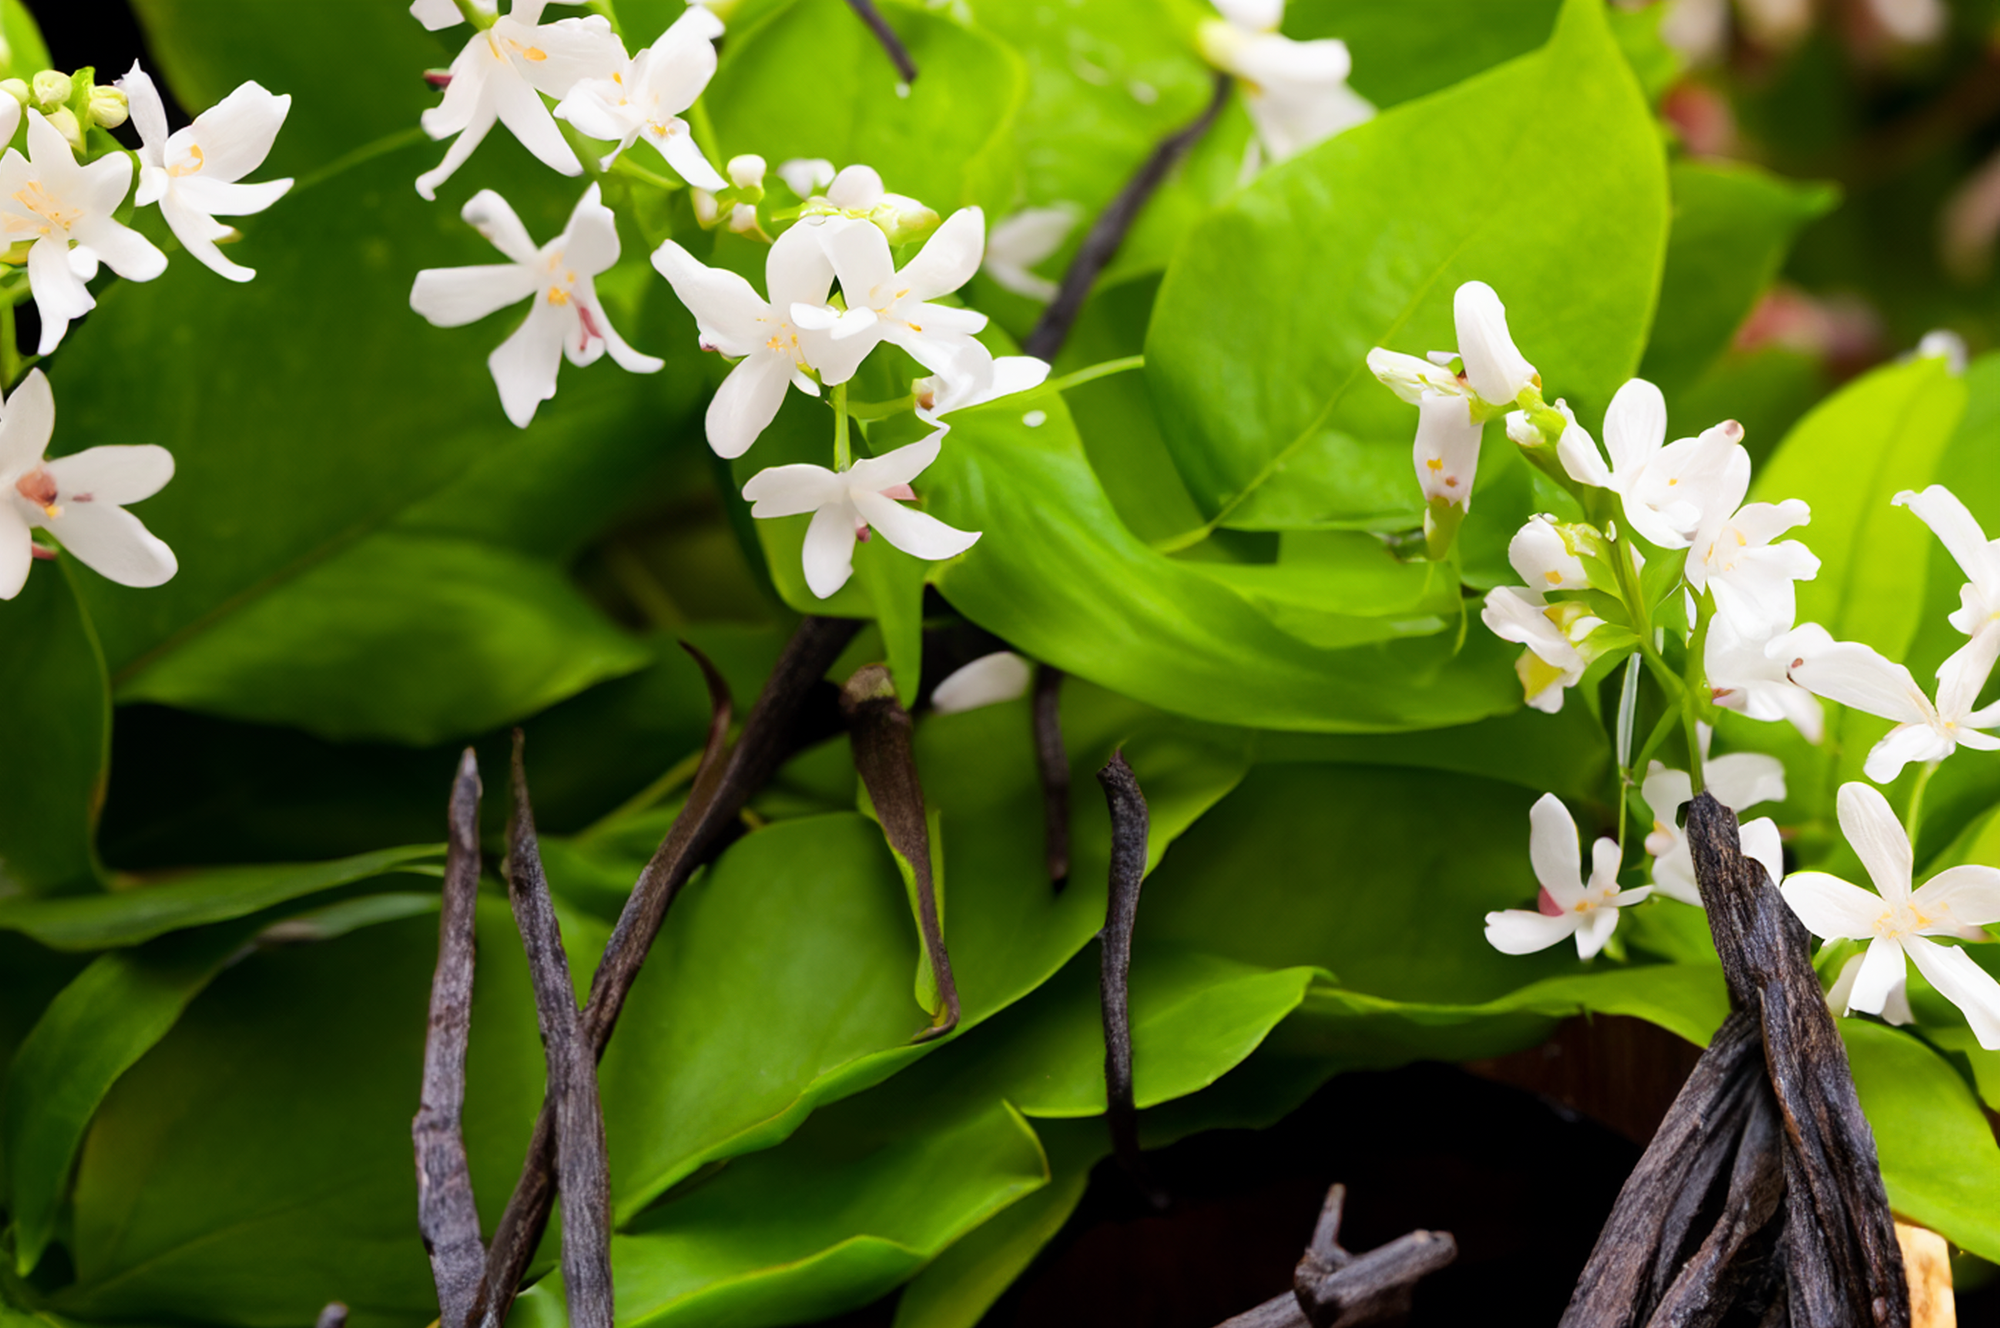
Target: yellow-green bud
[
  {"x": 52, "y": 88},
  {"x": 63, "y": 120},
  {"x": 108, "y": 108}
]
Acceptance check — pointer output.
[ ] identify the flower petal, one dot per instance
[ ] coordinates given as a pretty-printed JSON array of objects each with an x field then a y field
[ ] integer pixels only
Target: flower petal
[
  {"x": 1851, "y": 673},
  {"x": 1967, "y": 896},
  {"x": 26, "y": 423},
  {"x": 1761, "y": 842},
  {"x": 1877, "y": 837},
  {"x": 149, "y": 112},
  {"x": 1963, "y": 675},
  {"x": 1940, "y": 509},
  {"x": 988, "y": 680},
  {"x": 828, "y": 553},
  {"x": 1882, "y": 971},
  {"x": 899, "y": 466},
  {"x": 60, "y": 294},
  {"x": 797, "y": 270},
  {"x": 949, "y": 258},
  {"x": 726, "y": 308},
  {"x": 236, "y": 134},
  {"x": 456, "y": 296},
  {"x": 860, "y": 256},
  {"x": 793, "y": 490},
  {"x": 747, "y": 402},
  {"x": 1594, "y": 929},
  {"x": 1744, "y": 779},
  {"x": 1517, "y": 931},
  {"x": 1635, "y": 425},
  {"x": 16, "y": 549},
  {"x": 1496, "y": 370},
  {"x": 1446, "y": 453},
  {"x": 1960, "y": 980},
  {"x": 1906, "y": 743},
  {"x": 916, "y": 533},
  {"x": 117, "y": 474},
  {"x": 526, "y": 115},
  {"x": 1831, "y": 908},
  {"x": 1554, "y": 851},
  {"x": 114, "y": 543},
  {"x": 525, "y": 365}
]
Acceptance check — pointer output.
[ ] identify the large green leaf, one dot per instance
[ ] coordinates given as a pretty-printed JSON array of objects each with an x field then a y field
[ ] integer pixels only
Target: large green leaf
[
  {"x": 1732, "y": 226},
  {"x": 812, "y": 81},
  {"x": 218, "y": 894},
  {"x": 1265, "y": 317},
  {"x": 26, "y": 52},
  {"x": 52, "y": 784},
  {"x": 1396, "y": 59},
  {"x": 1937, "y": 1151}
]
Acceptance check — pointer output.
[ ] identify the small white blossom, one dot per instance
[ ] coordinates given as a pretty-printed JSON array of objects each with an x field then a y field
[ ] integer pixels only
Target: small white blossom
[
  {"x": 644, "y": 99},
  {"x": 988, "y": 680},
  {"x": 1490, "y": 368},
  {"x": 1296, "y": 91},
  {"x": 500, "y": 76},
  {"x": 806, "y": 176},
  {"x": 1979, "y": 599},
  {"x": 80, "y": 499},
  {"x": 771, "y": 348},
  {"x": 885, "y": 304},
  {"x": 1569, "y": 906},
  {"x": 194, "y": 174},
  {"x": 48, "y": 198},
  {"x": 1738, "y": 780},
  {"x": 1742, "y": 677},
  {"x": 1858, "y": 676},
  {"x": 939, "y": 395},
  {"x": 1897, "y": 921},
  {"x": 1016, "y": 246},
  {"x": 566, "y": 319},
  {"x": 1446, "y": 453},
  {"x": 1667, "y": 489},
  {"x": 1554, "y": 634},
  {"x": 857, "y": 193},
  {"x": 847, "y": 504},
  {"x": 1751, "y": 578}
]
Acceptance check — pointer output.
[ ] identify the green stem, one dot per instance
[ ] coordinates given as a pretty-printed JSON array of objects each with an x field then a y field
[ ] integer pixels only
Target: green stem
[
  {"x": 10, "y": 351},
  {"x": 1091, "y": 373},
  {"x": 1641, "y": 622},
  {"x": 476, "y": 16},
  {"x": 841, "y": 458},
  {"x": 1913, "y": 819}
]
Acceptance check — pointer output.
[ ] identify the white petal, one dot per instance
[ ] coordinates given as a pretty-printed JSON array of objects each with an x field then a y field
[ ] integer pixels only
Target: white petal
[
  {"x": 1963, "y": 675},
  {"x": 1831, "y": 908},
  {"x": 522, "y": 110},
  {"x": 1554, "y": 851},
  {"x": 59, "y": 295},
  {"x": 916, "y": 533},
  {"x": 1882, "y": 971},
  {"x": 860, "y": 256},
  {"x": 1540, "y": 558},
  {"x": 1578, "y": 454},
  {"x": 16, "y": 552},
  {"x": 806, "y": 175},
  {"x": 1744, "y": 779},
  {"x": 949, "y": 258},
  {"x": 572, "y": 50},
  {"x": 726, "y": 308},
  {"x": 793, "y": 490},
  {"x": 1446, "y": 453},
  {"x": 681, "y": 152},
  {"x": 455, "y": 296},
  {"x": 828, "y": 553},
  {"x": 1960, "y": 980},
  {"x": 1852, "y": 674},
  {"x": 1518, "y": 931},
  {"x": 1762, "y": 843},
  {"x": 1594, "y": 928},
  {"x": 856, "y": 189},
  {"x": 493, "y": 217},
  {"x": 899, "y": 466},
  {"x": 1496, "y": 370},
  {"x": 1940, "y": 509},
  {"x": 483, "y": 115},
  {"x": 1605, "y": 860},
  {"x": 988, "y": 680},
  {"x": 148, "y": 112},
  {"x": 1877, "y": 836},
  {"x": 797, "y": 270},
  {"x": 525, "y": 365},
  {"x": 436, "y": 14},
  {"x": 26, "y": 423},
  {"x": 115, "y": 544},
  {"x": 1635, "y": 426},
  {"x": 747, "y": 402},
  {"x": 125, "y": 251},
  {"x": 235, "y": 134},
  {"x": 1905, "y": 743},
  {"x": 1967, "y": 896},
  {"x": 1411, "y": 377},
  {"x": 589, "y": 241},
  {"x": 113, "y": 474}
]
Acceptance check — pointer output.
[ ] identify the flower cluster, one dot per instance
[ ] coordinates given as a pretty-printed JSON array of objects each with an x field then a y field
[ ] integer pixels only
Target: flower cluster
[
  {"x": 1662, "y": 552},
  {"x": 58, "y": 210}
]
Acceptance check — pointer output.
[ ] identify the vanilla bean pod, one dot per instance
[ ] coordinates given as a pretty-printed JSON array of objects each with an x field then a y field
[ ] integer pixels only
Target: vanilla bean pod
[
  {"x": 1052, "y": 761},
  {"x": 1845, "y": 1263},
  {"x": 879, "y": 728},
  {"x": 1712, "y": 1280},
  {"x": 583, "y": 1175},
  {"x": 446, "y": 1214},
  {"x": 1333, "y": 1288},
  {"x": 1046, "y": 340},
  {"x": 1129, "y": 825},
  {"x": 721, "y": 788},
  {"x": 899, "y": 54}
]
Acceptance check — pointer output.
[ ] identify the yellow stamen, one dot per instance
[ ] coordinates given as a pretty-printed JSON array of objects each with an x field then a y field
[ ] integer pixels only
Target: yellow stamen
[{"x": 557, "y": 295}]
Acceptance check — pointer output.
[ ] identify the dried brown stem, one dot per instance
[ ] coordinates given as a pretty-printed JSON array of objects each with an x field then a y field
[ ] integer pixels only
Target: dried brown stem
[
  {"x": 899, "y": 55},
  {"x": 1052, "y": 761},
  {"x": 721, "y": 788},
  {"x": 1129, "y": 823},
  {"x": 1100, "y": 246},
  {"x": 1333, "y": 1287},
  {"x": 446, "y": 1214},
  {"x": 879, "y": 730},
  {"x": 582, "y": 1169}
]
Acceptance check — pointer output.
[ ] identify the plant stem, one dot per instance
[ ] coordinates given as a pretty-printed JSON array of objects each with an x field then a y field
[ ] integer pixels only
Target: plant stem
[
  {"x": 841, "y": 457},
  {"x": 476, "y": 16},
  {"x": 1913, "y": 819},
  {"x": 1628, "y": 705}
]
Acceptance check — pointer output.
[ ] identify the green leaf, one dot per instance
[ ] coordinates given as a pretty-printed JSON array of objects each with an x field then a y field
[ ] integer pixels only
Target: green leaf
[
  {"x": 946, "y": 139},
  {"x": 1058, "y": 574},
  {"x": 217, "y": 894},
  {"x": 405, "y": 638},
  {"x": 52, "y": 784},
  {"x": 1397, "y": 58},
  {"x": 26, "y": 53},
  {"x": 852, "y": 1206},
  {"x": 1733, "y": 225},
  {"x": 101, "y": 1024},
  {"x": 1938, "y": 1156},
  {"x": 1258, "y": 341}
]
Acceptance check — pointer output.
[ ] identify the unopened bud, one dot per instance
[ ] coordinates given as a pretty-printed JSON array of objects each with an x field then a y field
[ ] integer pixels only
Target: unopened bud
[
  {"x": 108, "y": 108},
  {"x": 746, "y": 171},
  {"x": 903, "y": 219},
  {"x": 52, "y": 88},
  {"x": 63, "y": 120},
  {"x": 16, "y": 88},
  {"x": 705, "y": 208},
  {"x": 438, "y": 78}
]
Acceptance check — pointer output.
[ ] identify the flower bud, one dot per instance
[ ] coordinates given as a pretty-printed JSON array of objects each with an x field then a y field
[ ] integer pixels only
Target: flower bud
[
  {"x": 903, "y": 219},
  {"x": 16, "y": 88},
  {"x": 746, "y": 171},
  {"x": 52, "y": 88},
  {"x": 63, "y": 120},
  {"x": 705, "y": 208},
  {"x": 108, "y": 108}
]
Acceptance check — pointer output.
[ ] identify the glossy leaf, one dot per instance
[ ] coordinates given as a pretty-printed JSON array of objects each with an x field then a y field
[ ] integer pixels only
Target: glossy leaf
[
  {"x": 132, "y": 916},
  {"x": 1263, "y": 322},
  {"x": 26, "y": 52},
  {"x": 1396, "y": 60},
  {"x": 52, "y": 784}
]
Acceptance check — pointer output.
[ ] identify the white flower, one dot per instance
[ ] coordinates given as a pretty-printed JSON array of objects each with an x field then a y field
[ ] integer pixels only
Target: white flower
[
  {"x": 1750, "y": 577},
  {"x": 1413, "y": 378},
  {"x": 1738, "y": 780},
  {"x": 1667, "y": 489},
  {"x": 1568, "y": 906},
  {"x": 566, "y": 317},
  {"x": 1744, "y": 678},
  {"x": 1979, "y": 599},
  {"x": 48, "y": 199},
  {"x": 645, "y": 98},
  {"x": 1015, "y": 246},
  {"x": 1551, "y": 632},
  {"x": 806, "y": 176},
  {"x": 1896, "y": 921},
  {"x": 193, "y": 174},
  {"x": 79, "y": 499},
  {"x": 1858, "y": 676},
  {"x": 500, "y": 75},
  {"x": 884, "y": 304},
  {"x": 988, "y": 680},
  {"x": 1541, "y": 558},
  {"x": 1497, "y": 370},
  {"x": 1446, "y": 454},
  {"x": 771, "y": 348},
  {"x": 1297, "y": 91},
  {"x": 938, "y": 395},
  {"x": 857, "y": 193},
  {"x": 845, "y": 504}
]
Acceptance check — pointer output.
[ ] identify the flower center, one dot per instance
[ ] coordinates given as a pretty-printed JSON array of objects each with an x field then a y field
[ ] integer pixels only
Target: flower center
[
  {"x": 187, "y": 165},
  {"x": 39, "y": 488},
  {"x": 46, "y": 215}
]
